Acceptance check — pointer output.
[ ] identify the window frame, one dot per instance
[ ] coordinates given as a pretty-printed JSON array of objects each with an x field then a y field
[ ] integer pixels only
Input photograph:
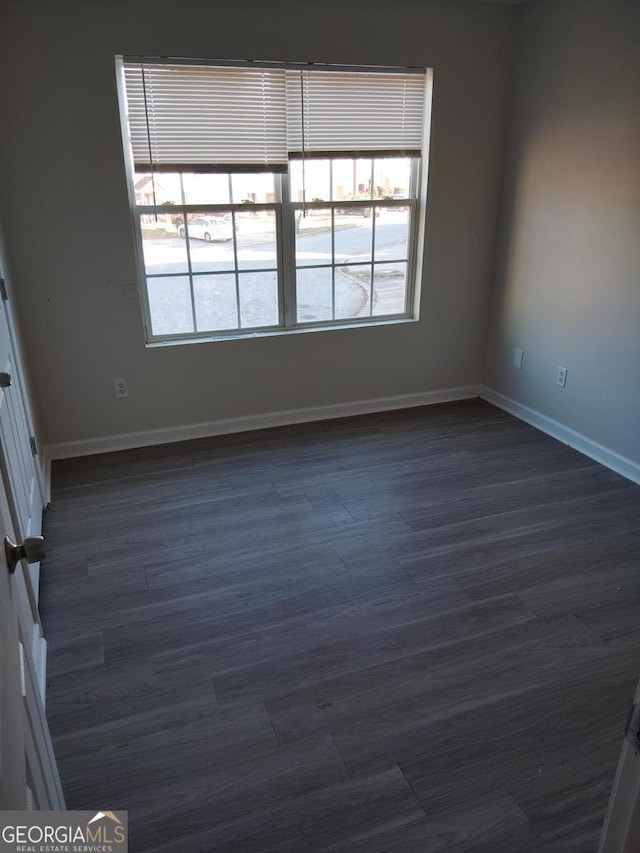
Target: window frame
[{"x": 285, "y": 212}]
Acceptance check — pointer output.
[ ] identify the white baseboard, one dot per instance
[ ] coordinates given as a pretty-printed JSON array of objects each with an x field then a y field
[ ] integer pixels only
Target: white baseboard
[
  {"x": 131, "y": 440},
  {"x": 576, "y": 440}
]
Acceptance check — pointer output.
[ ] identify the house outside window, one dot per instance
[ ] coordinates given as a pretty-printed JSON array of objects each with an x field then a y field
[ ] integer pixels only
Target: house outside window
[{"x": 272, "y": 198}]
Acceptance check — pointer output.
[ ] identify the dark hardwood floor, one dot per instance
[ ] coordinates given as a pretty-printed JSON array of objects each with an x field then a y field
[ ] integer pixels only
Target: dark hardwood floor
[{"x": 402, "y": 633}]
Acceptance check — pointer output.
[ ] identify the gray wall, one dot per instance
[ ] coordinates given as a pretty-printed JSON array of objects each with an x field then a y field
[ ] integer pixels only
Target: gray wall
[
  {"x": 568, "y": 275},
  {"x": 68, "y": 233}
]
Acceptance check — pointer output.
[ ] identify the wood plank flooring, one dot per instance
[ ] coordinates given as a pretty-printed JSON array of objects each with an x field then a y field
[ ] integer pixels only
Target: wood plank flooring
[{"x": 410, "y": 632}]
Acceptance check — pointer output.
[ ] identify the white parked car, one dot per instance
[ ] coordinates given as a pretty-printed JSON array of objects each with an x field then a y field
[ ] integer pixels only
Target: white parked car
[{"x": 209, "y": 228}]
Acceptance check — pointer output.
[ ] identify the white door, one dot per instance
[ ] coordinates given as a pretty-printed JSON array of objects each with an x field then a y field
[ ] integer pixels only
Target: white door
[
  {"x": 16, "y": 431},
  {"x": 28, "y": 772},
  {"x": 22, "y": 479},
  {"x": 621, "y": 833}
]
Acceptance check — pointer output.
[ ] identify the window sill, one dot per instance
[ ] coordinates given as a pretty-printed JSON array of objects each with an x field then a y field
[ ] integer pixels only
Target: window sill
[{"x": 280, "y": 332}]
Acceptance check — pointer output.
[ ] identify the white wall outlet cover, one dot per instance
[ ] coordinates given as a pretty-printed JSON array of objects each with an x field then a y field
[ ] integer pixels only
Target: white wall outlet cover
[
  {"x": 122, "y": 388},
  {"x": 518, "y": 354}
]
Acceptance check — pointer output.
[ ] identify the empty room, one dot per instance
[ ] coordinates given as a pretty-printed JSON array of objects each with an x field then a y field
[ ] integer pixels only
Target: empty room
[{"x": 320, "y": 426}]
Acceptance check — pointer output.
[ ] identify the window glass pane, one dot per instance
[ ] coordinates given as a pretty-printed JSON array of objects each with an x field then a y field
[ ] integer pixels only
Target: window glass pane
[
  {"x": 256, "y": 239},
  {"x": 353, "y": 234},
  {"x": 313, "y": 237},
  {"x": 353, "y": 289},
  {"x": 166, "y": 184},
  {"x": 215, "y": 301},
  {"x": 314, "y": 294},
  {"x": 210, "y": 241},
  {"x": 389, "y": 288},
  {"x": 164, "y": 251},
  {"x": 392, "y": 177},
  {"x": 313, "y": 177},
  {"x": 170, "y": 305},
  {"x": 334, "y": 248},
  {"x": 258, "y": 299},
  {"x": 206, "y": 189},
  {"x": 392, "y": 235},
  {"x": 253, "y": 188},
  {"x": 351, "y": 179}
]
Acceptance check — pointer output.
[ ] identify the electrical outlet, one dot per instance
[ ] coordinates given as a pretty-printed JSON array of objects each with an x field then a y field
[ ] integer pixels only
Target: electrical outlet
[
  {"x": 561, "y": 377},
  {"x": 518, "y": 353},
  {"x": 122, "y": 389}
]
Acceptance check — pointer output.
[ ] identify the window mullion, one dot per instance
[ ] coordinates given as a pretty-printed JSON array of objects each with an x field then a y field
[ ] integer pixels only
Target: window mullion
[
  {"x": 235, "y": 262},
  {"x": 194, "y": 316},
  {"x": 286, "y": 265},
  {"x": 414, "y": 230},
  {"x": 235, "y": 253},
  {"x": 238, "y": 318},
  {"x": 373, "y": 238},
  {"x": 373, "y": 257},
  {"x": 333, "y": 245}
]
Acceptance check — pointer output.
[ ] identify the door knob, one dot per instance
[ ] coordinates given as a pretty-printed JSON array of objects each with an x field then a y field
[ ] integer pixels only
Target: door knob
[
  {"x": 5, "y": 380},
  {"x": 31, "y": 550}
]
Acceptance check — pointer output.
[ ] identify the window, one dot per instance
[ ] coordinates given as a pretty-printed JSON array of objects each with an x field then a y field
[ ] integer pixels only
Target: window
[{"x": 269, "y": 198}]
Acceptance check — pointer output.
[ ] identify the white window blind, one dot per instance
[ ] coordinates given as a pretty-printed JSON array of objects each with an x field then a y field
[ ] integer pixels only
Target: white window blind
[
  {"x": 202, "y": 117},
  {"x": 206, "y": 118},
  {"x": 355, "y": 113}
]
